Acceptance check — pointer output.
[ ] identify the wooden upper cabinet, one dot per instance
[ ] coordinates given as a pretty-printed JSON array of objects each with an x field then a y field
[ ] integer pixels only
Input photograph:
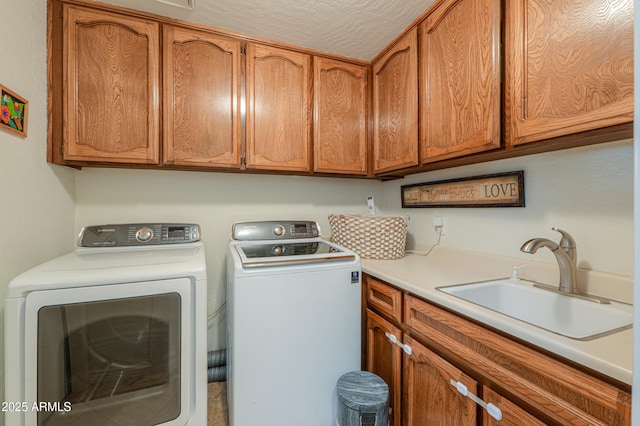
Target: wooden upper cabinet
[
  {"x": 395, "y": 106},
  {"x": 569, "y": 67},
  {"x": 201, "y": 118},
  {"x": 340, "y": 117},
  {"x": 111, "y": 82},
  {"x": 278, "y": 109},
  {"x": 460, "y": 79}
]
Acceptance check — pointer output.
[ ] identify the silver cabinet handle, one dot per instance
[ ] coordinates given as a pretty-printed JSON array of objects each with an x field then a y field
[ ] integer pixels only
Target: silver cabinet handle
[
  {"x": 493, "y": 411},
  {"x": 395, "y": 341}
]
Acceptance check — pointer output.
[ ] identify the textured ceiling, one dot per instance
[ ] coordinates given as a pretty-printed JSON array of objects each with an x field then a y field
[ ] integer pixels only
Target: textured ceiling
[{"x": 354, "y": 28}]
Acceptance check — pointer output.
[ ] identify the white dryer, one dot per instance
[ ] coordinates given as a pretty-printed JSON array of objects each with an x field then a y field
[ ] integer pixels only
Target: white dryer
[{"x": 114, "y": 333}]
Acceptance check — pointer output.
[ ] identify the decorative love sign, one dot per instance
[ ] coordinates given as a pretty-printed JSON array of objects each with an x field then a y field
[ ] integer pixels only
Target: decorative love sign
[{"x": 496, "y": 190}]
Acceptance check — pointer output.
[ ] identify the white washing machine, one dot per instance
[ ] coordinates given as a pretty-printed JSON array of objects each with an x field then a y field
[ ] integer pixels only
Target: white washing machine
[
  {"x": 294, "y": 323},
  {"x": 112, "y": 334}
]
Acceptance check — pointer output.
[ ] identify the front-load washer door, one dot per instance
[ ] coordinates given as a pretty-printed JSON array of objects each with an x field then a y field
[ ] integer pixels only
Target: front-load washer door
[{"x": 111, "y": 354}]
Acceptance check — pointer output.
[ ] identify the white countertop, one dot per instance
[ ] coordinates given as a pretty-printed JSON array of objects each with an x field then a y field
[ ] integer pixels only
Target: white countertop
[{"x": 610, "y": 355}]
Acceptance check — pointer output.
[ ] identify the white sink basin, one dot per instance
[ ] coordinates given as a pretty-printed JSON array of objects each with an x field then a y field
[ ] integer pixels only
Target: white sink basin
[{"x": 561, "y": 314}]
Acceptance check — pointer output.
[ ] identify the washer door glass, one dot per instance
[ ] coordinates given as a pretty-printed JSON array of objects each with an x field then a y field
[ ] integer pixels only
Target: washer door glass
[{"x": 114, "y": 361}]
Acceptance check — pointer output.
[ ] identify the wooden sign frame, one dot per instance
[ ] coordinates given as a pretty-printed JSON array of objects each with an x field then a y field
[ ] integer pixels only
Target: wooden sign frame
[{"x": 494, "y": 190}]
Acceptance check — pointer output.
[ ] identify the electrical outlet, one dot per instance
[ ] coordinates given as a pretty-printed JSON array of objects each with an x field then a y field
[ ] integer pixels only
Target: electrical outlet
[{"x": 438, "y": 224}]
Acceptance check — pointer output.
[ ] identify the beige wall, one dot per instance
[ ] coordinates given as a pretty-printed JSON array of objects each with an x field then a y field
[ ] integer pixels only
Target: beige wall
[
  {"x": 37, "y": 199},
  {"x": 587, "y": 191}
]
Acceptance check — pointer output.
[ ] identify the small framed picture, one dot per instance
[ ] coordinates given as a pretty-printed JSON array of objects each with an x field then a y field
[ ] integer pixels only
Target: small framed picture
[{"x": 14, "y": 110}]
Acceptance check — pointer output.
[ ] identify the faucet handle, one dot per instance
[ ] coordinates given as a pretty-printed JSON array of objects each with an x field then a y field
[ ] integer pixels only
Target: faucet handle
[
  {"x": 515, "y": 274},
  {"x": 567, "y": 243}
]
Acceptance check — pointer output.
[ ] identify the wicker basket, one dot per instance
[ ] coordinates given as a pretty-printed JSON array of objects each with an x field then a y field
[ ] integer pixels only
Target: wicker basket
[{"x": 372, "y": 237}]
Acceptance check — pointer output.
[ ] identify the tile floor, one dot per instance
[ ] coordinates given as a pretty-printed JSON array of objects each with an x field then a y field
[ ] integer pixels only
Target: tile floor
[{"x": 217, "y": 404}]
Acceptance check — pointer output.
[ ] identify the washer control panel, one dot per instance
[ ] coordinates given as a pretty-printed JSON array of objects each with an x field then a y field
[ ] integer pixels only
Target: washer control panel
[
  {"x": 138, "y": 234},
  {"x": 274, "y": 230}
]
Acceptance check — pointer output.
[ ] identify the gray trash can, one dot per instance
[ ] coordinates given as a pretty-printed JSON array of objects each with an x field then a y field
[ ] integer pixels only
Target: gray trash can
[{"x": 363, "y": 400}]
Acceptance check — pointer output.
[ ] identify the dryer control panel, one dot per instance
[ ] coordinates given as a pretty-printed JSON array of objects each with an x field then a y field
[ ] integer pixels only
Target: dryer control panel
[{"x": 138, "y": 234}]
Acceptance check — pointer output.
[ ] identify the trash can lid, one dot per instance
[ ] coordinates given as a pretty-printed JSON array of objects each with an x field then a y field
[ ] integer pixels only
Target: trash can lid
[{"x": 362, "y": 391}]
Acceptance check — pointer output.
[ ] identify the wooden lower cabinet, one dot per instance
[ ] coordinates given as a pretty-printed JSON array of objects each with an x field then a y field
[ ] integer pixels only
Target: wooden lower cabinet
[
  {"x": 384, "y": 299},
  {"x": 512, "y": 415},
  {"x": 429, "y": 398},
  {"x": 385, "y": 359},
  {"x": 528, "y": 386}
]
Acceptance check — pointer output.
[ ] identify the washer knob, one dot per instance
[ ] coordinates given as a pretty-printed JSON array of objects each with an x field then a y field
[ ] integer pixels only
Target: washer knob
[
  {"x": 278, "y": 250},
  {"x": 144, "y": 234},
  {"x": 278, "y": 230}
]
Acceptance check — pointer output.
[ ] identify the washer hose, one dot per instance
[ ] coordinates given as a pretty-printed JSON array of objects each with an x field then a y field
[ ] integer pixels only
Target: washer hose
[{"x": 217, "y": 366}]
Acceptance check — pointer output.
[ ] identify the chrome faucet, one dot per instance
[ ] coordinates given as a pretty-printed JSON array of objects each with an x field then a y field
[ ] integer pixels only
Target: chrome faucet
[{"x": 565, "y": 252}]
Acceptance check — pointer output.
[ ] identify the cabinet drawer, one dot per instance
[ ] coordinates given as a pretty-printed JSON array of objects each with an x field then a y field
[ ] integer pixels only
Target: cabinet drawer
[
  {"x": 385, "y": 299},
  {"x": 559, "y": 392}
]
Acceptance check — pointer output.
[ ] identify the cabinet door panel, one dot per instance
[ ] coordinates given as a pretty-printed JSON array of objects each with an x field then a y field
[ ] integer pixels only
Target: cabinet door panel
[
  {"x": 460, "y": 79},
  {"x": 384, "y": 359},
  {"x": 111, "y": 69},
  {"x": 278, "y": 109},
  {"x": 395, "y": 106},
  {"x": 512, "y": 415},
  {"x": 201, "y": 99},
  {"x": 569, "y": 67},
  {"x": 429, "y": 397},
  {"x": 340, "y": 122}
]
